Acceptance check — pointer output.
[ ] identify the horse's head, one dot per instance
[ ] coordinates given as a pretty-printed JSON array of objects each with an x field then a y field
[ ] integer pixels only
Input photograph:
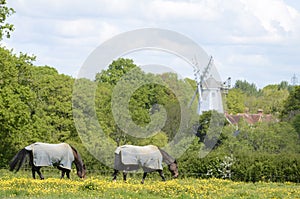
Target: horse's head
[
  {"x": 82, "y": 172},
  {"x": 80, "y": 166},
  {"x": 173, "y": 168}
]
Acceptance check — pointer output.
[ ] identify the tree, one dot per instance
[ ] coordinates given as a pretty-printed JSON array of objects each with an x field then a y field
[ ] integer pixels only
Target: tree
[
  {"x": 292, "y": 104},
  {"x": 296, "y": 124},
  {"x": 143, "y": 100},
  {"x": 15, "y": 100},
  {"x": 159, "y": 139},
  {"x": 115, "y": 71},
  {"x": 271, "y": 99},
  {"x": 284, "y": 85},
  {"x": 245, "y": 87},
  {"x": 5, "y": 28},
  {"x": 52, "y": 106},
  {"x": 235, "y": 101}
]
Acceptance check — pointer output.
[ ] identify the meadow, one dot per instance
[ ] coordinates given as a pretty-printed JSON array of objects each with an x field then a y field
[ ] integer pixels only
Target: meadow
[{"x": 21, "y": 185}]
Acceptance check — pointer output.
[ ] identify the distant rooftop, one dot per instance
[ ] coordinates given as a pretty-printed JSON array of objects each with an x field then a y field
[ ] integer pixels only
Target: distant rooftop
[{"x": 249, "y": 118}]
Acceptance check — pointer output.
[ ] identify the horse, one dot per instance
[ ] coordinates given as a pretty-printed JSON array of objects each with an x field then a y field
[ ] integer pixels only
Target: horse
[
  {"x": 150, "y": 158},
  {"x": 43, "y": 154}
]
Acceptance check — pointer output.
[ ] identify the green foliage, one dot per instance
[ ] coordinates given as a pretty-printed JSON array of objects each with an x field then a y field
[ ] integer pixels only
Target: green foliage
[
  {"x": 209, "y": 129},
  {"x": 235, "y": 101},
  {"x": 15, "y": 101},
  {"x": 296, "y": 124},
  {"x": 260, "y": 152},
  {"x": 243, "y": 166},
  {"x": 292, "y": 104},
  {"x": 35, "y": 104},
  {"x": 5, "y": 12},
  {"x": 271, "y": 99},
  {"x": 160, "y": 139},
  {"x": 284, "y": 85},
  {"x": 246, "y": 88},
  {"x": 263, "y": 137},
  {"x": 256, "y": 167},
  {"x": 115, "y": 71},
  {"x": 142, "y": 102},
  {"x": 245, "y": 97}
]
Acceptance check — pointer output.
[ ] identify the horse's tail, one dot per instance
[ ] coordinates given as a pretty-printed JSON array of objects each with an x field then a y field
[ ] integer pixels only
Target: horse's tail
[{"x": 19, "y": 158}]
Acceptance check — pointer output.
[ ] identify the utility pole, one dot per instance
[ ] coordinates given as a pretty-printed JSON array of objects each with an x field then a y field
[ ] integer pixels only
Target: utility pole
[{"x": 294, "y": 80}]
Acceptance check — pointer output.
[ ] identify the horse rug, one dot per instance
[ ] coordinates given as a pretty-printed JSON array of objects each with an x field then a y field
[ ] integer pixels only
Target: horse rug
[
  {"x": 129, "y": 156},
  {"x": 52, "y": 154}
]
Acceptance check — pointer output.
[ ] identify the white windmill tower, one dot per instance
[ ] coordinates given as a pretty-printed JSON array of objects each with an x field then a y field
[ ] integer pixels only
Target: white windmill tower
[
  {"x": 209, "y": 88},
  {"x": 199, "y": 78}
]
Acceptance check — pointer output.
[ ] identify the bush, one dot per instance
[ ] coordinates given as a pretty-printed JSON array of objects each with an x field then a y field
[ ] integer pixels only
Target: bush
[{"x": 248, "y": 167}]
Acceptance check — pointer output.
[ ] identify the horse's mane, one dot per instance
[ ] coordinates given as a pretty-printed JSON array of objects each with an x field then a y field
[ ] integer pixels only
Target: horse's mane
[
  {"x": 166, "y": 157},
  {"x": 79, "y": 163}
]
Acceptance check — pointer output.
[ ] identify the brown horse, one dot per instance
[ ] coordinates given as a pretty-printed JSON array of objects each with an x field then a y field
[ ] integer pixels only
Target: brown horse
[
  {"x": 42, "y": 154},
  {"x": 150, "y": 158}
]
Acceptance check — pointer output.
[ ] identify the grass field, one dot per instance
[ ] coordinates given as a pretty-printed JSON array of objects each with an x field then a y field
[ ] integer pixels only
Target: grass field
[{"x": 22, "y": 186}]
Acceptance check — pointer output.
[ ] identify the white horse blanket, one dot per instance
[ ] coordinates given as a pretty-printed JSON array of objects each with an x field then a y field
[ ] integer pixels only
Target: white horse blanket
[
  {"x": 52, "y": 154},
  {"x": 148, "y": 157}
]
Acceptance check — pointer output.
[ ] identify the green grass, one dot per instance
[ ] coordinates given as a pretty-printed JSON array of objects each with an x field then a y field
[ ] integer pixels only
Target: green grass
[{"x": 21, "y": 185}]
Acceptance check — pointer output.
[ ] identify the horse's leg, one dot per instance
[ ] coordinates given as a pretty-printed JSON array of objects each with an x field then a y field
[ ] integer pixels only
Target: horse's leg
[
  {"x": 39, "y": 172},
  {"x": 33, "y": 171},
  {"x": 32, "y": 165},
  {"x": 124, "y": 176},
  {"x": 144, "y": 176},
  {"x": 62, "y": 173},
  {"x": 115, "y": 174},
  {"x": 162, "y": 175},
  {"x": 68, "y": 173}
]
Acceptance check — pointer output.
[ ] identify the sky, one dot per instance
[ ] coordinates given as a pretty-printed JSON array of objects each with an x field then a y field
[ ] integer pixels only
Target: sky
[{"x": 253, "y": 40}]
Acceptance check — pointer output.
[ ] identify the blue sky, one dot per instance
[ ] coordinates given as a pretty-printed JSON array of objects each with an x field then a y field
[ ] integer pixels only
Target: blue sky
[{"x": 253, "y": 40}]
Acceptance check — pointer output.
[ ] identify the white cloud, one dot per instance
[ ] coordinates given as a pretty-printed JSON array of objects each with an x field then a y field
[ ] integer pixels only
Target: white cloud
[
  {"x": 182, "y": 10},
  {"x": 70, "y": 8},
  {"x": 249, "y": 60},
  {"x": 236, "y": 32},
  {"x": 85, "y": 30},
  {"x": 279, "y": 20},
  {"x": 274, "y": 15}
]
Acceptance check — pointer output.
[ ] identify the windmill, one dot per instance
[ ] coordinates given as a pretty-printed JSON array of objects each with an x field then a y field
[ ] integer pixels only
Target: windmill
[{"x": 199, "y": 78}]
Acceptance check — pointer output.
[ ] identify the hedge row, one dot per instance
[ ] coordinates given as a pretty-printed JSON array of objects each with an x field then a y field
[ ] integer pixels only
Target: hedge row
[{"x": 250, "y": 167}]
